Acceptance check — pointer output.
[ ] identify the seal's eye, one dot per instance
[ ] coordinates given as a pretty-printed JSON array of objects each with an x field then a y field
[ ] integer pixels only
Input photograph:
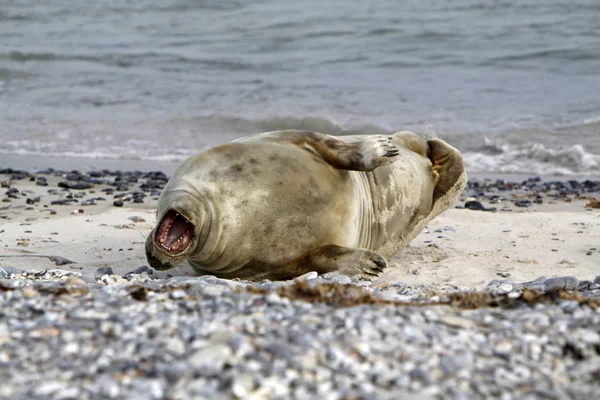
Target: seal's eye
[{"x": 174, "y": 232}]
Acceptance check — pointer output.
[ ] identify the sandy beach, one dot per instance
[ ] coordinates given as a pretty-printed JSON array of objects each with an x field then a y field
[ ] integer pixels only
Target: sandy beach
[{"x": 463, "y": 248}]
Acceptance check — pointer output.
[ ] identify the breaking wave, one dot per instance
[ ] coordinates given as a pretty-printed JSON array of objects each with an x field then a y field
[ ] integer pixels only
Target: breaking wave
[
  {"x": 187, "y": 136},
  {"x": 532, "y": 158}
]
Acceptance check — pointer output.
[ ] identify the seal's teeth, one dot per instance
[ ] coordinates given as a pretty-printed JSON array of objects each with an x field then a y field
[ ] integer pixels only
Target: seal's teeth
[{"x": 175, "y": 245}]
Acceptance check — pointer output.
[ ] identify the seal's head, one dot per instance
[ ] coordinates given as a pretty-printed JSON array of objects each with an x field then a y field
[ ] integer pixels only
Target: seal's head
[{"x": 177, "y": 234}]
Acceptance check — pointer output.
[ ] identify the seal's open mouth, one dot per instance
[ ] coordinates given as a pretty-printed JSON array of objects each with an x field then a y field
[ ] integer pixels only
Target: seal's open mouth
[{"x": 174, "y": 233}]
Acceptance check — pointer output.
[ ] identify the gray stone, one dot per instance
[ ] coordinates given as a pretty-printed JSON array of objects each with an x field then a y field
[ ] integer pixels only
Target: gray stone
[
  {"x": 215, "y": 290},
  {"x": 211, "y": 359},
  {"x": 105, "y": 271},
  {"x": 499, "y": 287},
  {"x": 307, "y": 276},
  {"x": 71, "y": 393},
  {"x": 337, "y": 278},
  {"x": 177, "y": 294},
  {"x": 589, "y": 336},
  {"x": 139, "y": 270},
  {"x": 7, "y": 271},
  {"x": 562, "y": 282},
  {"x": 46, "y": 389},
  {"x": 535, "y": 286},
  {"x": 569, "y": 306},
  {"x": 175, "y": 372},
  {"x": 584, "y": 285}
]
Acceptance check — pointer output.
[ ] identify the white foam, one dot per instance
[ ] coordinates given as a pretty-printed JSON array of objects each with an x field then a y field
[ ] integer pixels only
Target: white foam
[
  {"x": 109, "y": 154},
  {"x": 592, "y": 120},
  {"x": 533, "y": 158}
]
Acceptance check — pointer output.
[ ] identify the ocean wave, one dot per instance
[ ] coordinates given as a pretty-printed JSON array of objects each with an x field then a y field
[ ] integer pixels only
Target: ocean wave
[
  {"x": 532, "y": 158},
  {"x": 103, "y": 154},
  {"x": 557, "y": 54},
  {"x": 197, "y": 132},
  {"x": 132, "y": 149},
  {"x": 592, "y": 121},
  {"x": 232, "y": 125},
  {"x": 165, "y": 60},
  {"x": 507, "y": 154}
]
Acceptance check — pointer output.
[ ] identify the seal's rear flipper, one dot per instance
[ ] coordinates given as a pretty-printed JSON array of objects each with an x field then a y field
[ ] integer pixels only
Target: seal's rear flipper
[
  {"x": 330, "y": 258},
  {"x": 365, "y": 154},
  {"x": 448, "y": 169},
  {"x": 346, "y": 260}
]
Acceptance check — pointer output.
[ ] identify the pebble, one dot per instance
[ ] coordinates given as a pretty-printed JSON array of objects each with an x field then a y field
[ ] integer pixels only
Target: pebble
[
  {"x": 75, "y": 185},
  {"x": 500, "y": 287},
  {"x": 522, "y": 203},
  {"x": 210, "y": 360},
  {"x": 142, "y": 269},
  {"x": 197, "y": 337},
  {"x": 29, "y": 292},
  {"x": 584, "y": 285},
  {"x": 563, "y": 282},
  {"x": 307, "y": 276},
  {"x": 536, "y": 286},
  {"x": 63, "y": 202},
  {"x": 33, "y": 200},
  {"x": 477, "y": 206},
  {"x": 530, "y": 191},
  {"x": 336, "y": 278},
  {"x": 177, "y": 294},
  {"x": 105, "y": 271},
  {"x": 7, "y": 271}
]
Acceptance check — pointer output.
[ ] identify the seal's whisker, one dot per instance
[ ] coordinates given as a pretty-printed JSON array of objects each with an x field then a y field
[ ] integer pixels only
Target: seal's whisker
[{"x": 140, "y": 232}]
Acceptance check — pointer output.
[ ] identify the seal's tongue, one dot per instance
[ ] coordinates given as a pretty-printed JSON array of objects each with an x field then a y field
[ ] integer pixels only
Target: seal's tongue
[{"x": 174, "y": 232}]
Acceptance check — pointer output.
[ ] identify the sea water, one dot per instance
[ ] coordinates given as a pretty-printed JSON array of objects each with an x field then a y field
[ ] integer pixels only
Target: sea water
[{"x": 514, "y": 85}]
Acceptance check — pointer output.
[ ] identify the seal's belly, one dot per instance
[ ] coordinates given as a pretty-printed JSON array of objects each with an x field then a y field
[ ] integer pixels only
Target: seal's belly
[{"x": 297, "y": 201}]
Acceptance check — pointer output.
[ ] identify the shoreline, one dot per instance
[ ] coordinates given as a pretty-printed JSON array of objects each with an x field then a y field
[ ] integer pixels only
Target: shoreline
[{"x": 32, "y": 163}]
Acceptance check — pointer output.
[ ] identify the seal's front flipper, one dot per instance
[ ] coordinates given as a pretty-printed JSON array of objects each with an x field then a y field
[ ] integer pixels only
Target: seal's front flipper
[
  {"x": 365, "y": 154},
  {"x": 348, "y": 261},
  {"x": 375, "y": 151}
]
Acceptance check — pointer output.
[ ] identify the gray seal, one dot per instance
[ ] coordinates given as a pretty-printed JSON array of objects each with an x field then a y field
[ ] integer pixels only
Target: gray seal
[{"x": 280, "y": 204}]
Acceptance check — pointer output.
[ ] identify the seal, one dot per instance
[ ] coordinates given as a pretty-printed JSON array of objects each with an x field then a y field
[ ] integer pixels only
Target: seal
[{"x": 280, "y": 204}]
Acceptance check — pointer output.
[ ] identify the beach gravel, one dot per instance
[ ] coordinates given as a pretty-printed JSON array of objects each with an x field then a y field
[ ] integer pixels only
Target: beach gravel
[{"x": 65, "y": 336}]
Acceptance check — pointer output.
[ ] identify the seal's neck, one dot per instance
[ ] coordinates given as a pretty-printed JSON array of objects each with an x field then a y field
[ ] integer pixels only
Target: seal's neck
[
  {"x": 208, "y": 231},
  {"x": 362, "y": 190}
]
